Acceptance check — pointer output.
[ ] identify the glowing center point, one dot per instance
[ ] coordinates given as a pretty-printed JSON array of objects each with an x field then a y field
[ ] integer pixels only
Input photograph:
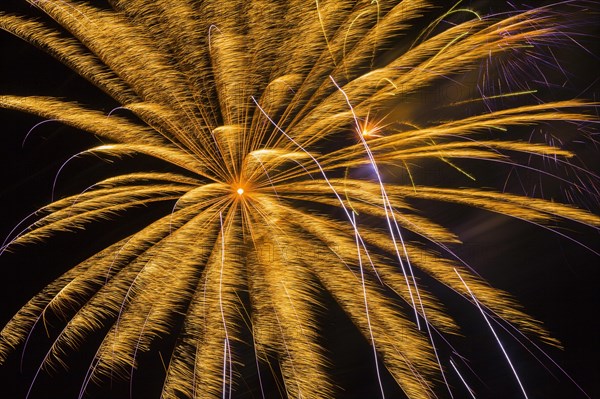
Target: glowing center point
[{"x": 240, "y": 191}]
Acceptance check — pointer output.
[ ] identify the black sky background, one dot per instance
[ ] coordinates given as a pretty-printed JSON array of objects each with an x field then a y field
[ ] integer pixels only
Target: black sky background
[{"x": 554, "y": 278}]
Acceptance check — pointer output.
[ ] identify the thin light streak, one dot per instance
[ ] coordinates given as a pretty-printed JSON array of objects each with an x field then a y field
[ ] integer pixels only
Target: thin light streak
[
  {"x": 514, "y": 371},
  {"x": 348, "y": 215},
  {"x": 35, "y": 126},
  {"x": 260, "y": 383},
  {"x": 226, "y": 349},
  {"x": 463, "y": 380},
  {"x": 135, "y": 354},
  {"x": 386, "y": 204},
  {"x": 324, "y": 32},
  {"x": 364, "y": 291}
]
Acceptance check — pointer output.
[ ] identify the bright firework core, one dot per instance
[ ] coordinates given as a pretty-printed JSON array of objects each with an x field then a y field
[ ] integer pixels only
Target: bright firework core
[{"x": 240, "y": 188}]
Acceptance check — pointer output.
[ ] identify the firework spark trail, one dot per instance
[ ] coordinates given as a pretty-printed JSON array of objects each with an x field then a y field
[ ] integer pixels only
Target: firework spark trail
[
  {"x": 89, "y": 374},
  {"x": 195, "y": 370},
  {"x": 287, "y": 351},
  {"x": 43, "y": 362},
  {"x": 260, "y": 382},
  {"x": 324, "y": 32},
  {"x": 34, "y": 127},
  {"x": 493, "y": 332},
  {"x": 226, "y": 349},
  {"x": 266, "y": 174},
  {"x": 389, "y": 217},
  {"x": 64, "y": 164},
  {"x": 36, "y": 2},
  {"x": 462, "y": 379},
  {"x": 543, "y": 352},
  {"x": 348, "y": 215},
  {"x": 386, "y": 205},
  {"x": 520, "y": 340},
  {"x": 135, "y": 354},
  {"x": 364, "y": 291},
  {"x": 47, "y": 306},
  {"x": 6, "y": 244}
]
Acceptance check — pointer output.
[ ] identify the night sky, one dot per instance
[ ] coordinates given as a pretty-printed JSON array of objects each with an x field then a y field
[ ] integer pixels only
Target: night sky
[{"x": 555, "y": 278}]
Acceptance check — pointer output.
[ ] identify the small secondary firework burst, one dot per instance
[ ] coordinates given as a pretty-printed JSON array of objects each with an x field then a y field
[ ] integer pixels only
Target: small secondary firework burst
[{"x": 283, "y": 128}]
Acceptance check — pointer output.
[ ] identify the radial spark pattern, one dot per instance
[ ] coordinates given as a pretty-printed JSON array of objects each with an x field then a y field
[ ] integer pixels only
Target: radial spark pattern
[{"x": 284, "y": 128}]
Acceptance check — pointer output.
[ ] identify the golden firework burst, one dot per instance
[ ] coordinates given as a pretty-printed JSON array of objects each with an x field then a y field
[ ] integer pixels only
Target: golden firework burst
[{"x": 281, "y": 126}]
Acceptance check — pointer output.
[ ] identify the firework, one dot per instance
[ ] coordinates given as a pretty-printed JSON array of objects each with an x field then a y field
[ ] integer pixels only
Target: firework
[{"x": 290, "y": 150}]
